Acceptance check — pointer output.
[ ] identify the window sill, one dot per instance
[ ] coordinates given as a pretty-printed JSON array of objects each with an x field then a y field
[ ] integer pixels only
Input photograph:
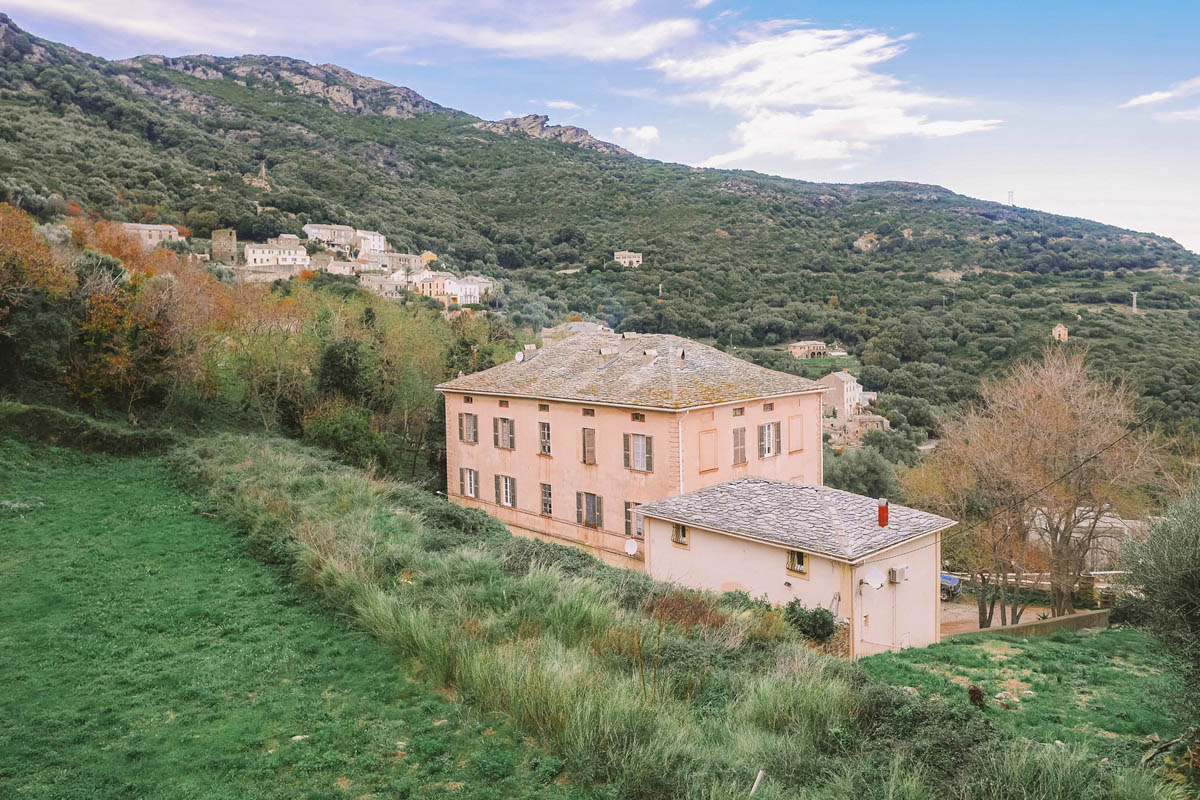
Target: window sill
[
  {"x": 711, "y": 469},
  {"x": 681, "y": 546},
  {"x": 801, "y": 575},
  {"x": 545, "y": 455},
  {"x": 640, "y": 471}
]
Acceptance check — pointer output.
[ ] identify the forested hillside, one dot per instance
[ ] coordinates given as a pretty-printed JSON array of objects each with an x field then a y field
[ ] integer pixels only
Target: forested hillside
[{"x": 928, "y": 288}]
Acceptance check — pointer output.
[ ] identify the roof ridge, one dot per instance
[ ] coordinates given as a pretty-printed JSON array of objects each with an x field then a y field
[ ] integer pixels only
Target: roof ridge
[{"x": 836, "y": 519}]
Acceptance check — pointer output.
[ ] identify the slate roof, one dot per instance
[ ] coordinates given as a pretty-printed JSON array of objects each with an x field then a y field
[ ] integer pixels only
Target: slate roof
[
  {"x": 815, "y": 519},
  {"x": 643, "y": 369}
]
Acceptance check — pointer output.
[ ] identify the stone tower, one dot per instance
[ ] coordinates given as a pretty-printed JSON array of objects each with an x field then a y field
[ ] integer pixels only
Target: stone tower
[{"x": 224, "y": 246}]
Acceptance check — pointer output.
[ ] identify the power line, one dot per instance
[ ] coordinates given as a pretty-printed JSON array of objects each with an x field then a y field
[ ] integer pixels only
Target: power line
[{"x": 961, "y": 531}]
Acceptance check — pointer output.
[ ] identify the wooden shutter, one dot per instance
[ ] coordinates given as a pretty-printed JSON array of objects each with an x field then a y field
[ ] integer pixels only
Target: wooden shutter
[
  {"x": 496, "y": 431},
  {"x": 579, "y": 507},
  {"x": 708, "y": 450},
  {"x": 599, "y": 511},
  {"x": 512, "y": 485},
  {"x": 649, "y": 454},
  {"x": 589, "y": 445},
  {"x": 778, "y": 426},
  {"x": 512, "y": 434},
  {"x": 795, "y": 433},
  {"x": 498, "y": 495},
  {"x": 628, "y": 460},
  {"x": 461, "y": 424},
  {"x": 462, "y": 479},
  {"x": 762, "y": 441}
]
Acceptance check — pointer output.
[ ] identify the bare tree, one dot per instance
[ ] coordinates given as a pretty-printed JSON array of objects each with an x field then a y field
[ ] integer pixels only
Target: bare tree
[{"x": 1046, "y": 456}]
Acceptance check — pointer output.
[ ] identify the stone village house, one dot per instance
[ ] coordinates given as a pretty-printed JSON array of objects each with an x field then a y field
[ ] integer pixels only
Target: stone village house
[{"x": 568, "y": 442}]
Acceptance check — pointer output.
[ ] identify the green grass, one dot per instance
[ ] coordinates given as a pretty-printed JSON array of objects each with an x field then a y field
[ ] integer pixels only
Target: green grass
[
  {"x": 144, "y": 654},
  {"x": 1103, "y": 692}
]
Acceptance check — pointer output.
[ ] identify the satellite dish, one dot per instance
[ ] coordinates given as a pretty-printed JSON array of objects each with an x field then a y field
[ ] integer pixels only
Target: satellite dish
[
  {"x": 519, "y": 357},
  {"x": 631, "y": 547},
  {"x": 874, "y": 578}
]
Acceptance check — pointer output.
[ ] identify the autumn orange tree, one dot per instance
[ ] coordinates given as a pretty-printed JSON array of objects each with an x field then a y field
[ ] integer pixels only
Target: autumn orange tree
[
  {"x": 1048, "y": 454},
  {"x": 27, "y": 265}
]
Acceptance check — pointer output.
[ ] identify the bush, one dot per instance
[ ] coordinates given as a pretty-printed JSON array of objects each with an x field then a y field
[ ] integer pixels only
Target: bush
[
  {"x": 816, "y": 624},
  {"x": 1164, "y": 568}
]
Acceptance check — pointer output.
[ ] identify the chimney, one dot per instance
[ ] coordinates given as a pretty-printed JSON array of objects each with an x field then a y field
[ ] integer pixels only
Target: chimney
[{"x": 883, "y": 512}]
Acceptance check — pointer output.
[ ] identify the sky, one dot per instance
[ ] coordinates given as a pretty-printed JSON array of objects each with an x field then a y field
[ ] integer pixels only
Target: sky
[{"x": 1090, "y": 109}]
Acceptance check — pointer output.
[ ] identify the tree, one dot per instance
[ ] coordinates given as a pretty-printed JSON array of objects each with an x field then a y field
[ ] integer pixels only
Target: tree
[
  {"x": 861, "y": 470},
  {"x": 1164, "y": 568},
  {"x": 1045, "y": 456},
  {"x": 26, "y": 264}
]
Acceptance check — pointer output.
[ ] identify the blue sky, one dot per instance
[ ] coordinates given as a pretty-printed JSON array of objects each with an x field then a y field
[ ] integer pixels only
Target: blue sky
[{"x": 1083, "y": 108}]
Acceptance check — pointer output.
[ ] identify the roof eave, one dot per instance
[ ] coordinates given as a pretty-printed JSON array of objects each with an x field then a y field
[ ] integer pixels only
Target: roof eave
[{"x": 445, "y": 388}]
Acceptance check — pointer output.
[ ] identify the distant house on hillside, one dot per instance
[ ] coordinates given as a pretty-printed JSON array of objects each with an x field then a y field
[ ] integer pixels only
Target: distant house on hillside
[
  {"x": 279, "y": 257},
  {"x": 808, "y": 349},
  {"x": 876, "y": 567},
  {"x": 369, "y": 241},
  {"x": 1059, "y": 334},
  {"x": 845, "y": 396},
  {"x": 152, "y": 236},
  {"x": 627, "y": 258},
  {"x": 337, "y": 235}
]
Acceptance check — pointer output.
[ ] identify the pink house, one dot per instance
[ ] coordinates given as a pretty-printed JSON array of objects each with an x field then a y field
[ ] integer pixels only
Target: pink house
[
  {"x": 876, "y": 570},
  {"x": 567, "y": 441}
]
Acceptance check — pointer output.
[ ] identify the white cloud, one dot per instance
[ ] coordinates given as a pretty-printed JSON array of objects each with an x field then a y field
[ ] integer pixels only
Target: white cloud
[
  {"x": 638, "y": 138},
  {"x": 563, "y": 105},
  {"x": 809, "y": 93},
  {"x": 1179, "y": 90},
  {"x": 1187, "y": 115},
  {"x": 702, "y": 3},
  {"x": 609, "y": 31}
]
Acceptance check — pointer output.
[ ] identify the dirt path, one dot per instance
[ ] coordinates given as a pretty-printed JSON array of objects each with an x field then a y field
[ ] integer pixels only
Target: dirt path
[{"x": 963, "y": 617}]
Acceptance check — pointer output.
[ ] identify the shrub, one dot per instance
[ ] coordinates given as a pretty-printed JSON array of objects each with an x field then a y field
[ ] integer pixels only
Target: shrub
[{"x": 816, "y": 624}]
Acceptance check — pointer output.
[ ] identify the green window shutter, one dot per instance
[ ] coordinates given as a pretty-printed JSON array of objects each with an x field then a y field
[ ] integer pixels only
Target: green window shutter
[
  {"x": 627, "y": 461},
  {"x": 579, "y": 507},
  {"x": 649, "y": 454},
  {"x": 497, "y": 490}
]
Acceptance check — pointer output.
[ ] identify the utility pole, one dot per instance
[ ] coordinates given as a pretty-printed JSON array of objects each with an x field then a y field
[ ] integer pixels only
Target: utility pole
[
  {"x": 660, "y": 290},
  {"x": 1134, "y": 301},
  {"x": 1010, "y": 197}
]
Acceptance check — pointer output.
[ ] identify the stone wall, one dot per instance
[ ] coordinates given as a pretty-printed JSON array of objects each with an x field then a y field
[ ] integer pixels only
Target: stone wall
[{"x": 1045, "y": 627}]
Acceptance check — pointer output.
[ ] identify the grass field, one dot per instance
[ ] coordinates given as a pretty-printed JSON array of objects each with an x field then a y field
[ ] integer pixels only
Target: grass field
[
  {"x": 144, "y": 654},
  {"x": 1104, "y": 692}
]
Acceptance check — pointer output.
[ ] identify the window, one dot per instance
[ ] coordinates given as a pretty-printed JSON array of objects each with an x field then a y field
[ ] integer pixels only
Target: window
[
  {"x": 468, "y": 482},
  {"x": 739, "y": 445},
  {"x": 543, "y": 406},
  {"x": 547, "y": 500},
  {"x": 679, "y": 535},
  {"x": 544, "y": 438},
  {"x": 504, "y": 404},
  {"x": 796, "y": 562},
  {"x": 768, "y": 406},
  {"x": 637, "y": 416},
  {"x": 504, "y": 433},
  {"x": 589, "y": 412},
  {"x": 708, "y": 450},
  {"x": 639, "y": 452},
  {"x": 589, "y": 445},
  {"x": 589, "y": 509},
  {"x": 795, "y": 433},
  {"x": 468, "y": 428},
  {"x": 506, "y": 491},
  {"x": 769, "y": 440},
  {"x": 738, "y": 412},
  {"x": 633, "y": 520}
]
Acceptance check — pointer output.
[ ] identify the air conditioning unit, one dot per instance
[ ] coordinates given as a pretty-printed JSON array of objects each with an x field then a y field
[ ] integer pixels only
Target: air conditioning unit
[{"x": 898, "y": 574}]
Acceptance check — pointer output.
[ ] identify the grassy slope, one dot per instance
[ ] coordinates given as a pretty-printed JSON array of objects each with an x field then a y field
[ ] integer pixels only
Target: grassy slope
[
  {"x": 1105, "y": 692},
  {"x": 144, "y": 655}
]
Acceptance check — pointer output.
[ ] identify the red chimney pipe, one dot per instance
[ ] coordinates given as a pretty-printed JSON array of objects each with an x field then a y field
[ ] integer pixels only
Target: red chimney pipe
[{"x": 883, "y": 512}]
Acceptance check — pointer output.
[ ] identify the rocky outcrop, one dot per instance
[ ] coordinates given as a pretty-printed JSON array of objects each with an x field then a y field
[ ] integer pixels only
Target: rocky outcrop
[
  {"x": 535, "y": 125},
  {"x": 338, "y": 88}
]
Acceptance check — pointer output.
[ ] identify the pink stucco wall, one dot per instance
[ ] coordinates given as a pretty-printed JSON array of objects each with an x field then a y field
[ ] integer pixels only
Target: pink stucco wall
[
  {"x": 897, "y": 615},
  {"x": 676, "y": 437},
  {"x": 904, "y": 614}
]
